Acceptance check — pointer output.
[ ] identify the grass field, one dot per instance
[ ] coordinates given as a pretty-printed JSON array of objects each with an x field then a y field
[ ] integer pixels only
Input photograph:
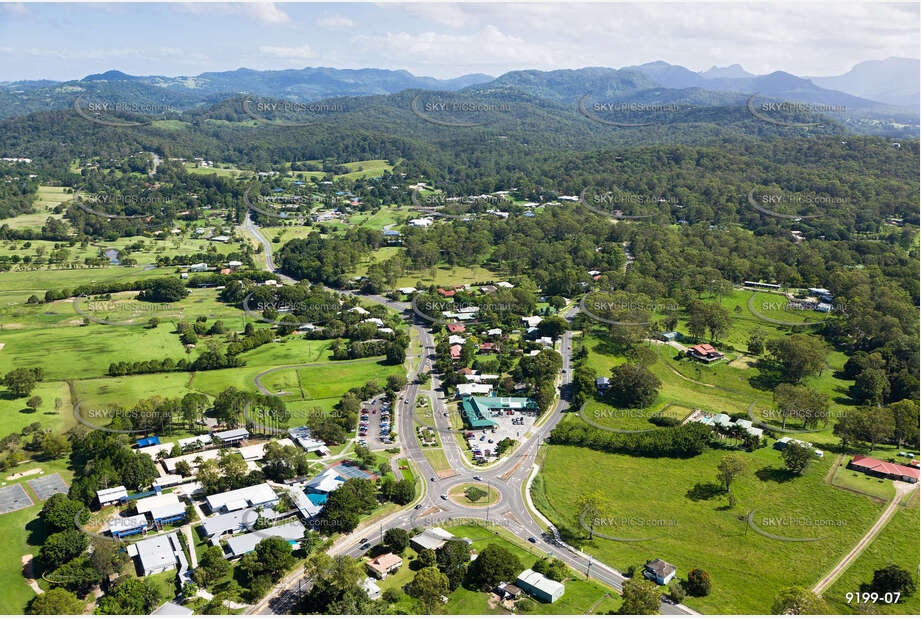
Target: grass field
[
  {"x": 437, "y": 458},
  {"x": 677, "y": 504},
  {"x": 48, "y": 198},
  {"x": 896, "y": 543}
]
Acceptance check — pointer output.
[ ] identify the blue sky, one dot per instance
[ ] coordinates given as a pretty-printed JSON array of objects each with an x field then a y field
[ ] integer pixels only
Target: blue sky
[{"x": 69, "y": 41}]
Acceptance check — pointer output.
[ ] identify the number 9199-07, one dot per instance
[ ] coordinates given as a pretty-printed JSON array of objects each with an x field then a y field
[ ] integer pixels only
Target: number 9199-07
[{"x": 872, "y": 597}]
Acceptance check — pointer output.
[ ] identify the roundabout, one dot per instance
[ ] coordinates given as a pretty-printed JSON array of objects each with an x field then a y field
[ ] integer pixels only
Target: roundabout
[{"x": 474, "y": 495}]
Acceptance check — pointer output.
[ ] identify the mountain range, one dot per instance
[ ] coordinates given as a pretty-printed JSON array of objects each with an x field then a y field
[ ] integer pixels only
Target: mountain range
[{"x": 877, "y": 95}]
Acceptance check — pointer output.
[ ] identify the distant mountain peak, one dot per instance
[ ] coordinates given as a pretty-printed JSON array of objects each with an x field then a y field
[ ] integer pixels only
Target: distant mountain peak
[
  {"x": 109, "y": 76},
  {"x": 733, "y": 71}
]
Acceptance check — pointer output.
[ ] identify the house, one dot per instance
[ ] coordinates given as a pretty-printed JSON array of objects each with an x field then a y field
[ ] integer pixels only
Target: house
[
  {"x": 504, "y": 284},
  {"x": 468, "y": 390},
  {"x": 488, "y": 347},
  {"x": 494, "y": 332},
  {"x": 150, "y": 441},
  {"x": 884, "y": 469},
  {"x": 670, "y": 336},
  {"x": 456, "y": 328},
  {"x": 158, "y": 554},
  {"x": 245, "y": 543},
  {"x": 220, "y": 238},
  {"x": 659, "y": 571},
  {"x": 422, "y": 222},
  {"x": 704, "y": 352},
  {"x": 602, "y": 383},
  {"x": 456, "y": 339},
  {"x": 359, "y": 310},
  {"x": 231, "y": 436},
  {"x": 455, "y": 352},
  {"x": 407, "y": 291},
  {"x": 446, "y": 293},
  {"x": 509, "y": 591},
  {"x": 433, "y": 539},
  {"x": 125, "y": 526},
  {"x": 236, "y": 499},
  {"x": 234, "y": 264},
  {"x": 540, "y": 587},
  {"x": 532, "y": 321},
  {"x": 198, "y": 268},
  {"x": 488, "y": 289},
  {"x": 384, "y": 565},
  {"x": 375, "y": 321},
  {"x": 113, "y": 495}
]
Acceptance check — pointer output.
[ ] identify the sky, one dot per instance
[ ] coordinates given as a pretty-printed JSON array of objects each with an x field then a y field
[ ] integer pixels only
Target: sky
[{"x": 70, "y": 41}]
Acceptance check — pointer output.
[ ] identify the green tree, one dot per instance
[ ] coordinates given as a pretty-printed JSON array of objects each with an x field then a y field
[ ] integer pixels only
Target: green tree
[
  {"x": 633, "y": 386},
  {"x": 893, "y": 578},
  {"x": 641, "y": 597},
  {"x": 56, "y": 601},
  {"x": 797, "y": 356},
  {"x": 453, "y": 557},
  {"x": 796, "y": 457},
  {"x": 212, "y": 566},
  {"x": 676, "y": 591},
  {"x": 396, "y": 539},
  {"x": 274, "y": 554},
  {"x": 698, "y": 583},
  {"x": 62, "y": 547},
  {"x": 493, "y": 565},
  {"x": 905, "y": 421},
  {"x": 727, "y": 470},
  {"x": 59, "y": 512},
  {"x": 796, "y": 600},
  {"x": 429, "y": 586},
  {"x": 130, "y": 596}
]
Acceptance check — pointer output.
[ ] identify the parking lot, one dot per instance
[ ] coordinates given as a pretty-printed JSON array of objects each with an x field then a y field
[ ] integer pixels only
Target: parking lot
[
  {"x": 375, "y": 423},
  {"x": 512, "y": 426}
]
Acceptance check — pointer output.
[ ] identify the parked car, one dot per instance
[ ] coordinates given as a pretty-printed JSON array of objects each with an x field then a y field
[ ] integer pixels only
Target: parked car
[{"x": 532, "y": 539}]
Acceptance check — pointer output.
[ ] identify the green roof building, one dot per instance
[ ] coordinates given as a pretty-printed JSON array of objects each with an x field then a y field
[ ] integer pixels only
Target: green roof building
[{"x": 477, "y": 412}]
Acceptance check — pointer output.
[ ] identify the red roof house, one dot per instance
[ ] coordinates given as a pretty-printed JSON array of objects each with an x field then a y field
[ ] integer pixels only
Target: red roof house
[
  {"x": 455, "y": 352},
  {"x": 897, "y": 472},
  {"x": 456, "y": 328},
  {"x": 488, "y": 347},
  {"x": 446, "y": 293},
  {"x": 705, "y": 352},
  {"x": 467, "y": 371}
]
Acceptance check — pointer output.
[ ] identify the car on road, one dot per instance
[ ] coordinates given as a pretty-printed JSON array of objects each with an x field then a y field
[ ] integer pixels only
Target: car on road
[
  {"x": 477, "y": 478},
  {"x": 532, "y": 539},
  {"x": 490, "y": 440},
  {"x": 444, "y": 497},
  {"x": 432, "y": 479},
  {"x": 364, "y": 540},
  {"x": 418, "y": 506}
]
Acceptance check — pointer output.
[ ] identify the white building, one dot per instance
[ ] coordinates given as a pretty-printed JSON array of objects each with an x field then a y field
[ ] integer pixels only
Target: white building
[
  {"x": 113, "y": 495},
  {"x": 236, "y": 499},
  {"x": 158, "y": 554}
]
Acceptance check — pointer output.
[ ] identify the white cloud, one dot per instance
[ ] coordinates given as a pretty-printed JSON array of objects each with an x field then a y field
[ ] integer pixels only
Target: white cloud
[
  {"x": 265, "y": 12},
  {"x": 302, "y": 52},
  {"x": 488, "y": 47},
  {"x": 334, "y": 22}
]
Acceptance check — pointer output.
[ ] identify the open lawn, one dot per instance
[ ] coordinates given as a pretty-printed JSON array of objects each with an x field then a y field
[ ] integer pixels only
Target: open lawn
[
  {"x": 678, "y": 513},
  {"x": 896, "y": 543},
  {"x": 48, "y": 199}
]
